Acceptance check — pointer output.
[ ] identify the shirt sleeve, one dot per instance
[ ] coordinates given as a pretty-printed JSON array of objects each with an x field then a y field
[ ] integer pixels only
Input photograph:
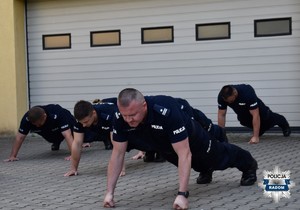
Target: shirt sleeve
[
  {"x": 63, "y": 121},
  {"x": 175, "y": 125},
  {"x": 25, "y": 125},
  {"x": 251, "y": 97},
  {"x": 78, "y": 128},
  {"x": 118, "y": 127},
  {"x": 221, "y": 103}
]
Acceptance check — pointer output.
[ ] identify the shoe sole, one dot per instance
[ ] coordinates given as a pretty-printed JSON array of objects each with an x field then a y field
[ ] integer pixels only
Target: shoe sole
[{"x": 249, "y": 184}]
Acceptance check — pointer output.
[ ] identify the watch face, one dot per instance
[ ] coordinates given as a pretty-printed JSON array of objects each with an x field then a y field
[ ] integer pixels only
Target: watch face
[{"x": 187, "y": 194}]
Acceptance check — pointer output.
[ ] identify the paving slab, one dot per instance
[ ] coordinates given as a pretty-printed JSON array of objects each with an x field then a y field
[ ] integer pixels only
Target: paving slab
[{"x": 36, "y": 181}]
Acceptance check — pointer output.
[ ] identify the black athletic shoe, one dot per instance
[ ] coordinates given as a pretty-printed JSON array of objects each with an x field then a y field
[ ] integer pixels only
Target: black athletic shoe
[
  {"x": 55, "y": 146},
  {"x": 249, "y": 176},
  {"x": 107, "y": 144},
  {"x": 158, "y": 158},
  {"x": 205, "y": 177},
  {"x": 149, "y": 157},
  {"x": 286, "y": 132},
  {"x": 108, "y": 147}
]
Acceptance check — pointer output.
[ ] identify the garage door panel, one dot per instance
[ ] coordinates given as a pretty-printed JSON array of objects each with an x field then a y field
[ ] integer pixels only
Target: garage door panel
[
  {"x": 186, "y": 68},
  {"x": 99, "y": 77},
  {"x": 172, "y": 69},
  {"x": 148, "y": 61},
  {"x": 129, "y": 11},
  {"x": 144, "y": 54}
]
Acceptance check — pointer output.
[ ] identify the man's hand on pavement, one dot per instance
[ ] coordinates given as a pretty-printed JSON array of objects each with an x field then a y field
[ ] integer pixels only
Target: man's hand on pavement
[
  {"x": 180, "y": 203},
  {"x": 254, "y": 140},
  {"x": 11, "y": 159},
  {"x": 109, "y": 201},
  {"x": 71, "y": 173}
]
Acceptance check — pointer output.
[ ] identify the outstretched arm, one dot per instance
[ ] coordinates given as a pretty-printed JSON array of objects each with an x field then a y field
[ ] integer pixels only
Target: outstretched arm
[
  {"x": 69, "y": 139},
  {"x": 256, "y": 126},
  {"x": 182, "y": 149},
  {"x": 114, "y": 169},
  {"x": 19, "y": 139},
  {"x": 75, "y": 153},
  {"x": 222, "y": 117}
]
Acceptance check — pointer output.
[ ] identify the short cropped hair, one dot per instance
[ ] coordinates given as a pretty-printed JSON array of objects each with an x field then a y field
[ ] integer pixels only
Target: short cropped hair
[
  {"x": 35, "y": 114},
  {"x": 128, "y": 95},
  {"x": 82, "y": 109},
  {"x": 226, "y": 91},
  {"x": 96, "y": 101}
]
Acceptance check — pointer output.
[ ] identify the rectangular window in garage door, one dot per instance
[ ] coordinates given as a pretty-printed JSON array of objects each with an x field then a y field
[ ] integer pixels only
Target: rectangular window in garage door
[
  {"x": 273, "y": 27},
  {"x": 56, "y": 41},
  {"x": 211, "y": 31},
  {"x": 162, "y": 34},
  {"x": 105, "y": 38}
]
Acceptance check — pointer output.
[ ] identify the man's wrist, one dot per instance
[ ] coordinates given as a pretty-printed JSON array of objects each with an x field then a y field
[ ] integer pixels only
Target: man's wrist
[
  {"x": 185, "y": 194},
  {"x": 109, "y": 193},
  {"x": 74, "y": 169}
]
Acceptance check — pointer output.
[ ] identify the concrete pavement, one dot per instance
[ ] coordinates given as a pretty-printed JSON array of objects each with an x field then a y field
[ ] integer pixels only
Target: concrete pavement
[{"x": 36, "y": 181}]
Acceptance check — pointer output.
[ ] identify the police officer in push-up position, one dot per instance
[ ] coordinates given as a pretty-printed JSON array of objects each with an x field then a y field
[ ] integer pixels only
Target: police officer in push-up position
[
  {"x": 91, "y": 119},
  {"x": 157, "y": 122},
  {"x": 92, "y": 136},
  {"x": 51, "y": 121},
  {"x": 250, "y": 110}
]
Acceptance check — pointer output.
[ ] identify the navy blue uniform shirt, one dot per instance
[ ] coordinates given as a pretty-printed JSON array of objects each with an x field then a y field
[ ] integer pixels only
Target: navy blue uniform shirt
[
  {"x": 58, "y": 120},
  {"x": 105, "y": 112},
  {"x": 166, "y": 123},
  {"x": 245, "y": 101},
  {"x": 110, "y": 100}
]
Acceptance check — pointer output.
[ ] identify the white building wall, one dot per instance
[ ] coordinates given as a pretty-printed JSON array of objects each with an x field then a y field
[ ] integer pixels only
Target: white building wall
[{"x": 195, "y": 70}]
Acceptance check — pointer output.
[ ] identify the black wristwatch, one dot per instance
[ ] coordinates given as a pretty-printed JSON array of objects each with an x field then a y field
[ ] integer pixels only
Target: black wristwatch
[{"x": 185, "y": 194}]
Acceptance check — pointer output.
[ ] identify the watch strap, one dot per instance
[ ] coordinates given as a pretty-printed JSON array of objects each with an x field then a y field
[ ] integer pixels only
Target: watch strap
[{"x": 185, "y": 194}]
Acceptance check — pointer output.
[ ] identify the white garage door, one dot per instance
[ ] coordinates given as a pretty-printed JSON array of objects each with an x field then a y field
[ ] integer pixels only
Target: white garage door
[{"x": 184, "y": 67}]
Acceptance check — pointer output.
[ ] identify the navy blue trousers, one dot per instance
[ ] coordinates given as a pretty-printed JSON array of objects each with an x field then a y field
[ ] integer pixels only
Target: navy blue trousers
[{"x": 210, "y": 154}]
